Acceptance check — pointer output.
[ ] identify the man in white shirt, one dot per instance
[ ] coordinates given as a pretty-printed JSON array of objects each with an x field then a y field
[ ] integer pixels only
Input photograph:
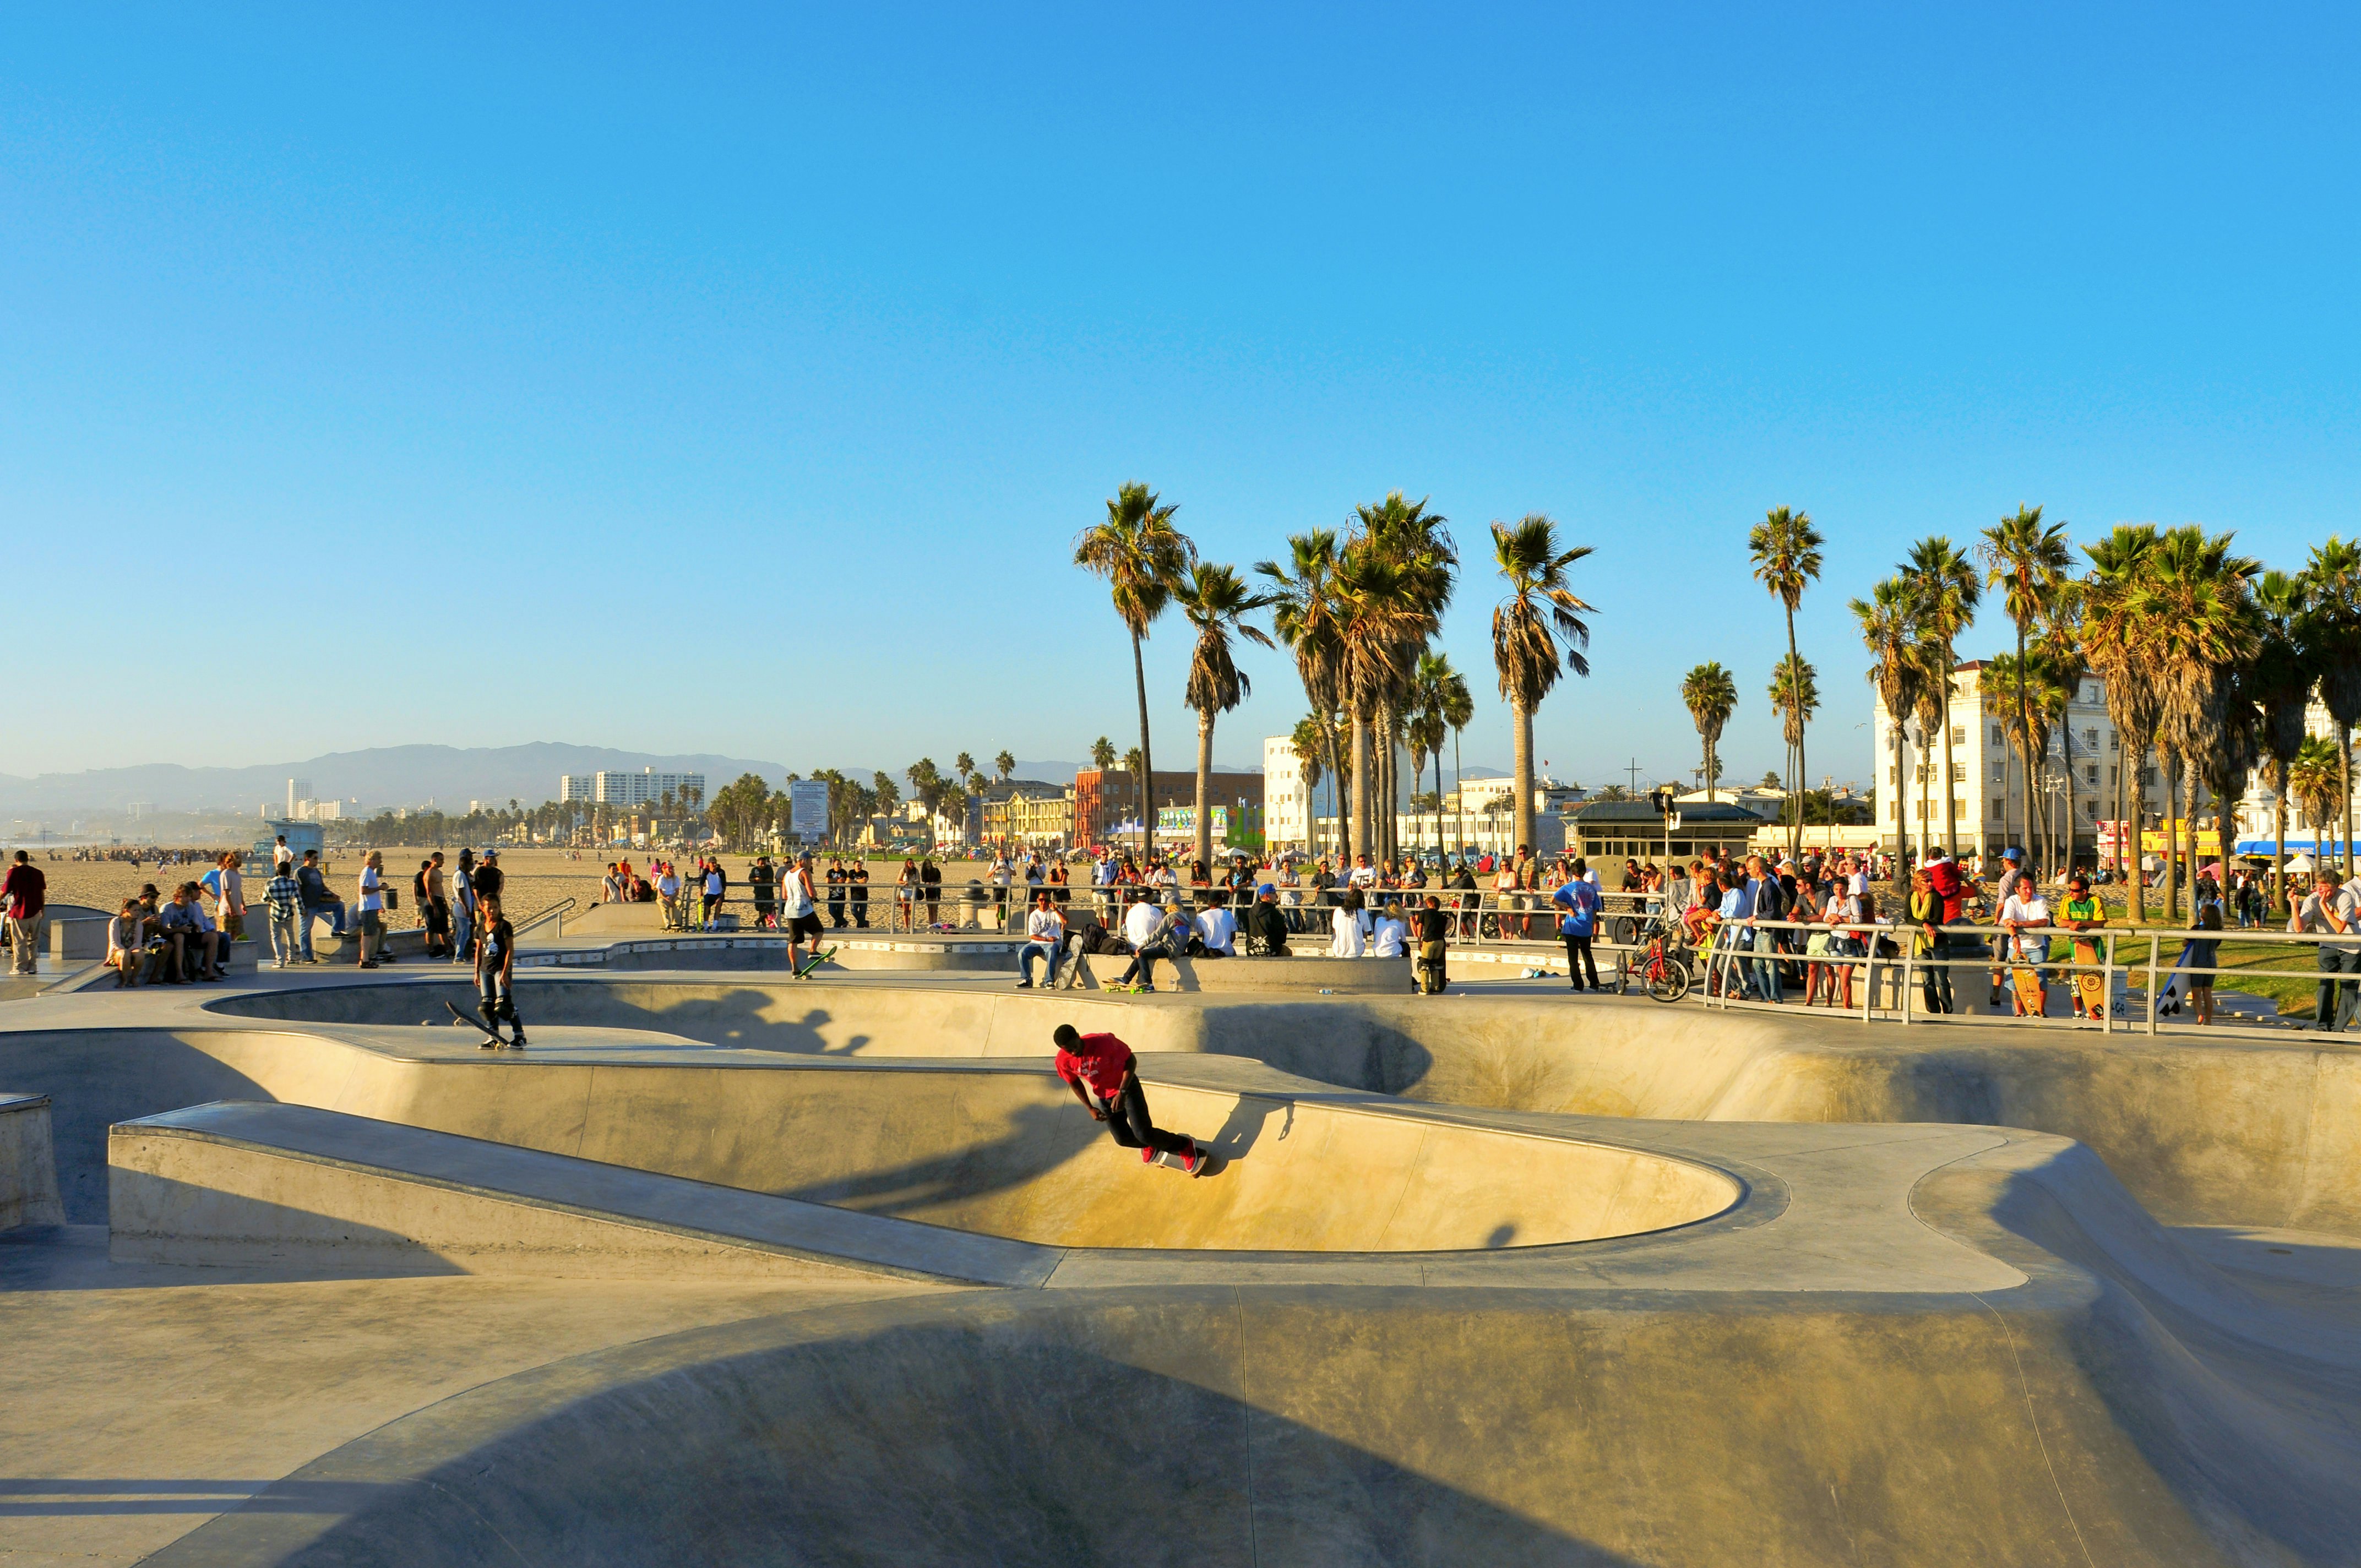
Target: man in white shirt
[
  {"x": 1147, "y": 927},
  {"x": 2025, "y": 910},
  {"x": 1217, "y": 927},
  {"x": 372, "y": 907},
  {"x": 1044, "y": 939},
  {"x": 2332, "y": 910},
  {"x": 1363, "y": 875}
]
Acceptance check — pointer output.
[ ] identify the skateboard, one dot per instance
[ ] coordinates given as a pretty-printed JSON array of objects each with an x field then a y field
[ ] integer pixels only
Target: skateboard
[
  {"x": 493, "y": 1040},
  {"x": 1173, "y": 1161},
  {"x": 819, "y": 956}
]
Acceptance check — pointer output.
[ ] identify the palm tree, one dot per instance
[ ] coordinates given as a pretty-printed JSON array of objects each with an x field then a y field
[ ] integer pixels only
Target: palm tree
[
  {"x": 1945, "y": 582},
  {"x": 1306, "y": 615},
  {"x": 2280, "y": 682},
  {"x": 1385, "y": 618},
  {"x": 962, "y": 766},
  {"x": 2317, "y": 779},
  {"x": 1525, "y": 627},
  {"x": 1795, "y": 698},
  {"x": 1441, "y": 701},
  {"x": 2060, "y": 651},
  {"x": 1712, "y": 696},
  {"x": 1131, "y": 761},
  {"x": 2029, "y": 695},
  {"x": 1142, "y": 556},
  {"x": 1888, "y": 629},
  {"x": 1785, "y": 548},
  {"x": 2195, "y": 605},
  {"x": 2111, "y": 641},
  {"x": 2333, "y": 577},
  {"x": 1216, "y": 602},
  {"x": 1418, "y": 546},
  {"x": 2026, "y": 560},
  {"x": 1313, "y": 738},
  {"x": 1004, "y": 765}
]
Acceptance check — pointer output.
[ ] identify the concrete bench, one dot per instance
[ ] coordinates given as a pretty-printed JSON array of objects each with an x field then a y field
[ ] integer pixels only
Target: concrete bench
[
  {"x": 28, "y": 1166},
  {"x": 1297, "y": 973}
]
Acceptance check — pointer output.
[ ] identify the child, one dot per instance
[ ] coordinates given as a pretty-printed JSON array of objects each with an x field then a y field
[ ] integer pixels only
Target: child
[
  {"x": 2199, "y": 957},
  {"x": 496, "y": 973}
]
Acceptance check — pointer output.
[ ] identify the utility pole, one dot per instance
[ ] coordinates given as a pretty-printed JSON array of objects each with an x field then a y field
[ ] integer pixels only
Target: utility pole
[{"x": 1635, "y": 771}]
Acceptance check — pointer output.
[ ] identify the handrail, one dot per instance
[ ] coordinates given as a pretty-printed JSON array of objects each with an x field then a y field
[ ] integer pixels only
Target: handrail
[{"x": 555, "y": 912}]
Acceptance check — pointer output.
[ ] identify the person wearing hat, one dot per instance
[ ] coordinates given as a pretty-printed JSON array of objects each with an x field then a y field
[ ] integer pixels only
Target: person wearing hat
[
  {"x": 488, "y": 875},
  {"x": 2082, "y": 912},
  {"x": 1266, "y": 925}
]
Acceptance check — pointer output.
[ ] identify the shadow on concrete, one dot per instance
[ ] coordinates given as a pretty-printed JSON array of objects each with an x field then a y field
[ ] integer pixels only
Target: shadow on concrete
[
  {"x": 34, "y": 1497},
  {"x": 1039, "y": 1139},
  {"x": 1017, "y": 1442}
]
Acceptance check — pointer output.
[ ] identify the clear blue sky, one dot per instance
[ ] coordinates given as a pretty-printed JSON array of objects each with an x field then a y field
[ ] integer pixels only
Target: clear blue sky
[{"x": 662, "y": 358}]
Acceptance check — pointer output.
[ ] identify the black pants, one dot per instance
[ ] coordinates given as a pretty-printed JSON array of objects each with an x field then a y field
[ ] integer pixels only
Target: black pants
[
  {"x": 836, "y": 910},
  {"x": 1578, "y": 959},
  {"x": 1143, "y": 964},
  {"x": 1128, "y": 1124},
  {"x": 498, "y": 1003},
  {"x": 860, "y": 910},
  {"x": 1935, "y": 983}
]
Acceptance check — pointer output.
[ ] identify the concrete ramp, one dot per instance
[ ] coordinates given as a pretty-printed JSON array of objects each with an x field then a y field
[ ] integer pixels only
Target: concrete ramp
[{"x": 237, "y": 1182}]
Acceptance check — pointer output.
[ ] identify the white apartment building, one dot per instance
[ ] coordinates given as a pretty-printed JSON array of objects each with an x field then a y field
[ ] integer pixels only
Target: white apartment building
[
  {"x": 1985, "y": 793},
  {"x": 1289, "y": 811},
  {"x": 646, "y": 787}
]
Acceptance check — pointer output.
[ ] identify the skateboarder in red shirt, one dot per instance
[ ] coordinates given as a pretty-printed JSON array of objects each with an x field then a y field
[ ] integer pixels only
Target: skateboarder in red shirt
[{"x": 1098, "y": 1069}]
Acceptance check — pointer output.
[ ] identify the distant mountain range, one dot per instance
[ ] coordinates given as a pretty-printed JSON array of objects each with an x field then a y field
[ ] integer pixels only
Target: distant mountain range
[{"x": 399, "y": 775}]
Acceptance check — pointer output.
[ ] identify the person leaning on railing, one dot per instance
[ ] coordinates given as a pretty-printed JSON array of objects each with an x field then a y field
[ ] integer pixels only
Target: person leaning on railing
[
  {"x": 2332, "y": 911},
  {"x": 1927, "y": 943}
]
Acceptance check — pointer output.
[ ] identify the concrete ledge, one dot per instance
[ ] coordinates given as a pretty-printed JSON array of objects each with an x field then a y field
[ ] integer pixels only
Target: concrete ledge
[
  {"x": 29, "y": 1166},
  {"x": 241, "y": 1182},
  {"x": 1297, "y": 974}
]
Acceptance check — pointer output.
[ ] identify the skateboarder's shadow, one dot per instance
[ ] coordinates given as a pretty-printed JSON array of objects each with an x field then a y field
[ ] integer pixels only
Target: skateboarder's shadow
[{"x": 1249, "y": 1120}]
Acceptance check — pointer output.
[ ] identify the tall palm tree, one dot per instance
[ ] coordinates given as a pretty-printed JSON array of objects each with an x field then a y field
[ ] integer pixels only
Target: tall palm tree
[
  {"x": 1945, "y": 582},
  {"x": 2280, "y": 682},
  {"x": 1712, "y": 696},
  {"x": 1786, "y": 549},
  {"x": 1444, "y": 703},
  {"x": 1216, "y": 601},
  {"x": 2029, "y": 695},
  {"x": 2111, "y": 641},
  {"x": 1795, "y": 698},
  {"x": 2026, "y": 559},
  {"x": 1540, "y": 608},
  {"x": 1142, "y": 556},
  {"x": 2317, "y": 779},
  {"x": 2333, "y": 576},
  {"x": 2196, "y": 608},
  {"x": 1004, "y": 765},
  {"x": 1418, "y": 542},
  {"x": 2060, "y": 651},
  {"x": 1384, "y": 619},
  {"x": 1314, "y": 738},
  {"x": 1308, "y": 618},
  {"x": 1888, "y": 629}
]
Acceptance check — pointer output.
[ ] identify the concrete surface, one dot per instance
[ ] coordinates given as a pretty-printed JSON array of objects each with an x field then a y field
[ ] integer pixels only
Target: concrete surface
[
  {"x": 1912, "y": 1343},
  {"x": 29, "y": 1169}
]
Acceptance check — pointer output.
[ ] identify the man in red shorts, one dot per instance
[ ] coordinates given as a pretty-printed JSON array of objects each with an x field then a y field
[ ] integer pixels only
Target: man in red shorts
[{"x": 1098, "y": 1069}]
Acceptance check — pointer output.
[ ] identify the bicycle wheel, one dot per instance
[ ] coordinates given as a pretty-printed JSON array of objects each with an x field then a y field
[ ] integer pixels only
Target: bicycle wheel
[
  {"x": 1624, "y": 930},
  {"x": 1668, "y": 978}
]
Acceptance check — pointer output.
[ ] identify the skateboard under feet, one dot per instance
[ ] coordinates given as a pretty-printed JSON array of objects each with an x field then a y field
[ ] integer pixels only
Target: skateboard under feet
[{"x": 493, "y": 1040}]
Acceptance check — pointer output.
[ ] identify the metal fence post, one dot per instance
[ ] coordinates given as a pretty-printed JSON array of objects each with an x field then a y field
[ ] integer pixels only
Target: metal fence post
[{"x": 2153, "y": 942}]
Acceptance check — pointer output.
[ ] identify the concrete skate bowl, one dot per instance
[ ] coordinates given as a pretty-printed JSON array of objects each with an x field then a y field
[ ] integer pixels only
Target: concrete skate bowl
[
  {"x": 2058, "y": 1422},
  {"x": 2203, "y": 1132}
]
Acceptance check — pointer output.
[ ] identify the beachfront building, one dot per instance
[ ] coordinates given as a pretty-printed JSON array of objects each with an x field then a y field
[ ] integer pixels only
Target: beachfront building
[
  {"x": 1981, "y": 805},
  {"x": 646, "y": 787},
  {"x": 1028, "y": 814},
  {"x": 1106, "y": 804}
]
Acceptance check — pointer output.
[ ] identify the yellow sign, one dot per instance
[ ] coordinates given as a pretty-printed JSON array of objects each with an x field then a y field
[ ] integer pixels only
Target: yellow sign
[{"x": 2209, "y": 844}]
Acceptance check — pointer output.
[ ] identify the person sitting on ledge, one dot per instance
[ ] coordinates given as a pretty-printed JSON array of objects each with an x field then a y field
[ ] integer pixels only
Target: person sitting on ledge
[{"x": 1266, "y": 923}]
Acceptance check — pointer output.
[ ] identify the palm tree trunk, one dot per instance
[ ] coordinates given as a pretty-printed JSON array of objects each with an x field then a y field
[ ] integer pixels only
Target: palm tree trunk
[
  {"x": 1146, "y": 761},
  {"x": 1458, "y": 789},
  {"x": 1336, "y": 786},
  {"x": 2278, "y": 841},
  {"x": 2024, "y": 735},
  {"x": 2345, "y": 777},
  {"x": 1950, "y": 801},
  {"x": 1795, "y": 761},
  {"x": 1361, "y": 783},
  {"x": 2166, "y": 761},
  {"x": 2066, "y": 740},
  {"x": 2137, "y": 822},
  {"x": 2189, "y": 831},
  {"x": 1901, "y": 813},
  {"x": 1521, "y": 775},
  {"x": 1204, "y": 788}
]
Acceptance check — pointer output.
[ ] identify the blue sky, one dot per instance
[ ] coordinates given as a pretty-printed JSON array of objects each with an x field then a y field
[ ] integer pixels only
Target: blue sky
[{"x": 735, "y": 379}]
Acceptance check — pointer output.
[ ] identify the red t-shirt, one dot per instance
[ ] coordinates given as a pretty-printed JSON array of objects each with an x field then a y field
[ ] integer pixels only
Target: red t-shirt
[
  {"x": 1098, "y": 1061},
  {"x": 1944, "y": 877},
  {"x": 25, "y": 892}
]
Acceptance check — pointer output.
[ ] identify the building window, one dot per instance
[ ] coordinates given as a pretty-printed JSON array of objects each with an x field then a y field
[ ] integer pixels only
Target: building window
[
  {"x": 1998, "y": 738},
  {"x": 1999, "y": 772},
  {"x": 2115, "y": 740},
  {"x": 1958, "y": 735},
  {"x": 2114, "y": 774},
  {"x": 2091, "y": 775},
  {"x": 1894, "y": 774},
  {"x": 1996, "y": 811},
  {"x": 2147, "y": 777}
]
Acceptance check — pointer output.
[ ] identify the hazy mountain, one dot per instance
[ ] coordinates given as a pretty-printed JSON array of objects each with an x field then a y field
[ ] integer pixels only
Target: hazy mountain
[{"x": 405, "y": 776}]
